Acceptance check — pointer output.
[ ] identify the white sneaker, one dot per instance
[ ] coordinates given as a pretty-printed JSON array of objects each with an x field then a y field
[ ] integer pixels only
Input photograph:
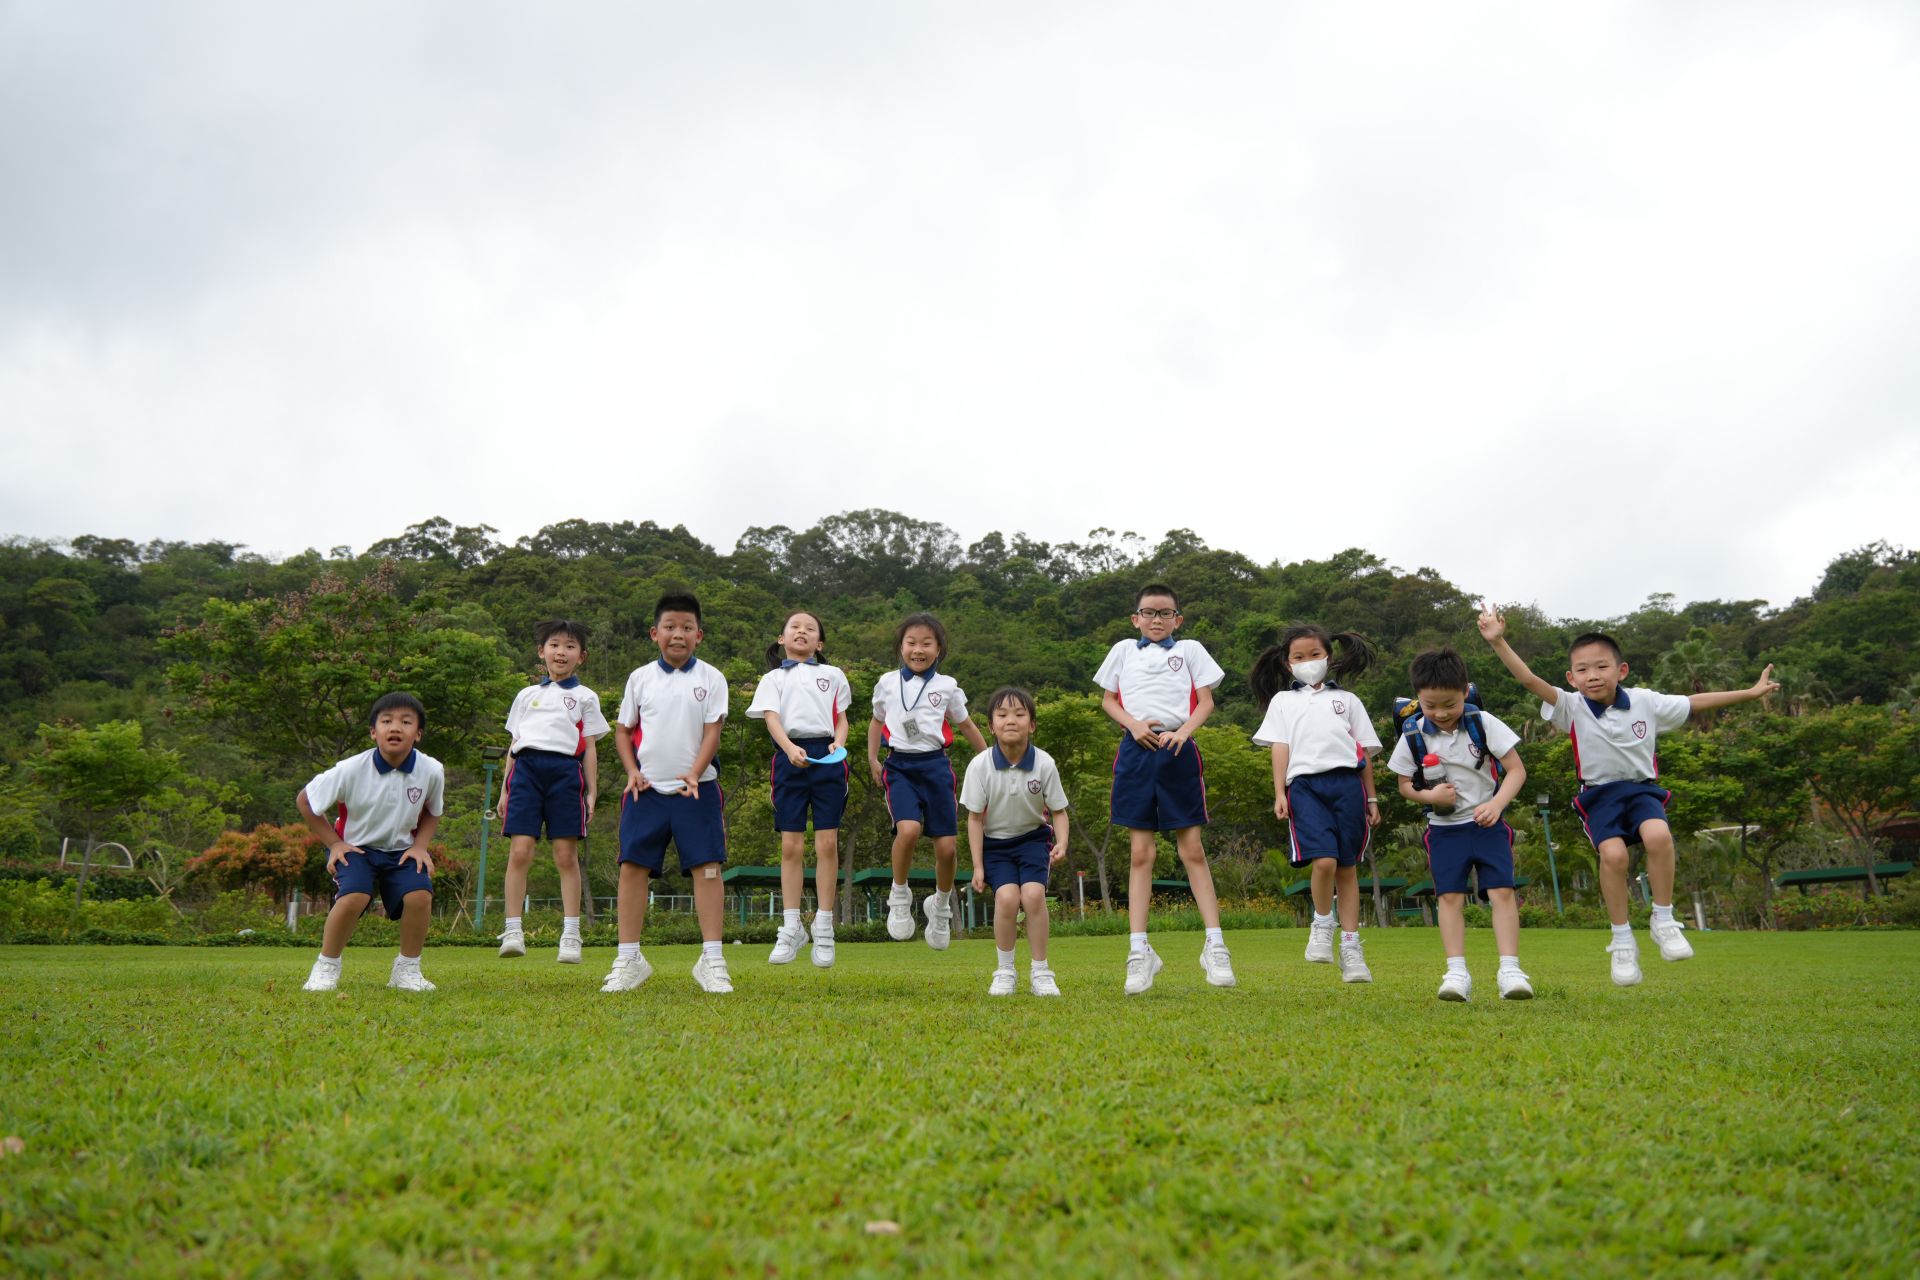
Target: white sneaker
[
  {"x": 1041, "y": 983},
  {"x": 787, "y": 943},
  {"x": 1515, "y": 985},
  {"x": 823, "y": 950},
  {"x": 1004, "y": 981},
  {"x": 1456, "y": 986},
  {"x": 939, "y": 920},
  {"x": 1218, "y": 964},
  {"x": 1141, "y": 966},
  {"x": 712, "y": 976},
  {"x": 900, "y": 913},
  {"x": 569, "y": 948},
  {"x": 513, "y": 943},
  {"x": 409, "y": 978},
  {"x": 1672, "y": 945},
  {"x": 1353, "y": 963},
  {"x": 1626, "y": 963},
  {"x": 627, "y": 975},
  {"x": 1320, "y": 943},
  {"x": 325, "y": 976}
]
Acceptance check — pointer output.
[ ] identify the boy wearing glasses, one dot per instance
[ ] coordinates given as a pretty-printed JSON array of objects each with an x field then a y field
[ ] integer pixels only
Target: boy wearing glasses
[{"x": 1159, "y": 690}]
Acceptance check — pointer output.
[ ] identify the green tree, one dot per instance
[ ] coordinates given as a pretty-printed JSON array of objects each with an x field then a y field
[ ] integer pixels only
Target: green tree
[
  {"x": 1863, "y": 763},
  {"x": 97, "y": 775}
]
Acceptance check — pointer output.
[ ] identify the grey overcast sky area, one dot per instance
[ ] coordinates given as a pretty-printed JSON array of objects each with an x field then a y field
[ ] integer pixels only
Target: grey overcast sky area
[{"x": 1573, "y": 303}]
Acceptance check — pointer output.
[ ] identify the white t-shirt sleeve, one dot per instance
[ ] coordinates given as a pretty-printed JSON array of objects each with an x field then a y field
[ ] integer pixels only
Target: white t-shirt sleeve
[
  {"x": 592, "y": 722},
  {"x": 630, "y": 702},
  {"x": 326, "y": 788},
  {"x": 880, "y": 699},
  {"x": 1559, "y": 713},
  {"x": 436, "y": 801},
  {"x": 716, "y": 705},
  {"x": 1362, "y": 725},
  {"x": 842, "y": 692},
  {"x": 1108, "y": 676},
  {"x": 973, "y": 787},
  {"x": 956, "y": 705},
  {"x": 1207, "y": 673},
  {"x": 1500, "y": 739},
  {"x": 766, "y": 697},
  {"x": 1273, "y": 729},
  {"x": 1670, "y": 710},
  {"x": 1401, "y": 760},
  {"x": 513, "y": 712},
  {"x": 1056, "y": 793}
]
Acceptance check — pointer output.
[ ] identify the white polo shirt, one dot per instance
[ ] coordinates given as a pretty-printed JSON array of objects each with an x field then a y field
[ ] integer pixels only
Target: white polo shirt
[
  {"x": 1015, "y": 795},
  {"x": 1616, "y": 743},
  {"x": 668, "y": 710},
  {"x": 1460, "y": 763},
  {"x": 1322, "y": 729},
  {"x": 1158, "y": 683},
  {"x": 377, "y": 805},
  {"x": 918, "y": 712},
  {"x": 556, "y": 715},
  {"x": 809, "y": 697}
]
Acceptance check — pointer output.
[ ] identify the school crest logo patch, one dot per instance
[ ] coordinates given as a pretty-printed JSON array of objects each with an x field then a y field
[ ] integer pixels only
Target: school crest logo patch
[
  {"x": 414, "y": 794},
  {"x": 1033, "y": 787},
  {"x": 1175, "y": 663},
  {"x": 1475, "y": 750},
  {"x": 571, "y": 702},
  {"x": 700, "y": 694},
  {"x": 1339, "y": 709},
  {"x": 1639, "y": 728},
  {"x": 933, "y": 699},
  {"x": 824, "y": 684}
]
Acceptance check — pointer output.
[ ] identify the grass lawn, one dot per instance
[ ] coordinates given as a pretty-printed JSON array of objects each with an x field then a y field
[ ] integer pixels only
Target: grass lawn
[{"x": 192, "y": 1112}]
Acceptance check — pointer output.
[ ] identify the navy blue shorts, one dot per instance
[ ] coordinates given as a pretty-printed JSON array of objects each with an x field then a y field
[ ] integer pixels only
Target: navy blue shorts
[
  {"x": 696, "y": 827},
  {"x": 1457, "y": 848},
  {"x": 818, "y": 789},
  {"x": 545, "y": 788},
  {"x": 1158, "y": 790},
  {"x": 1615, "y": 810},
  {"x": 1017, "y": 860},
  {"x": 1327, "y": 817},
  {"x": 920, "y": 788},
  {"x": 378, "y": 873}
]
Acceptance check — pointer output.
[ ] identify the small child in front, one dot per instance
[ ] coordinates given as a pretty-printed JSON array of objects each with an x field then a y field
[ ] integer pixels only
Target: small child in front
[
  {"x": 1445, "y": 760},
  {"x": 1016, "y": 830},
  {"x": 389, "y": 799},
  {"x": 1614, "y": 732}
]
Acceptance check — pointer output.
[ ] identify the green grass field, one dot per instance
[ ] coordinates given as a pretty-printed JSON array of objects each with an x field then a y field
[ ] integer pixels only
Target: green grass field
[{"x": 192, "y": 1112}]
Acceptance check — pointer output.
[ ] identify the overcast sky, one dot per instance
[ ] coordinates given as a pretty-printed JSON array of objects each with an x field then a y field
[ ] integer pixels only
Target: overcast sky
[{"x": 1573, "y": 302}]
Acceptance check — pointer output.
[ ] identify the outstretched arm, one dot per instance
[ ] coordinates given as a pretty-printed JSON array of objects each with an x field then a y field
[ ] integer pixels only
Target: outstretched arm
[
  {"x": 1494, "y": 628},
  {"x": 1765, "y": 685}
]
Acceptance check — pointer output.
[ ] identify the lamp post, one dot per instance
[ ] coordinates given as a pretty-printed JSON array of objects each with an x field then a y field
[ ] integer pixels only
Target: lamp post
[
  {"x": 488, "y": 756},
  {"x": 1546, "y": 829}
]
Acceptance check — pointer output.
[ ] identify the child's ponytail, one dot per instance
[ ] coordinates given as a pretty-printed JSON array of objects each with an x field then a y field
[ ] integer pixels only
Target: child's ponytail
[
  {"x": 1270, "y": 674},
  {"x": 1355, "y": 656},
  {"x": 776, "y": 654},
  {"x": 1348, "y": 654}
]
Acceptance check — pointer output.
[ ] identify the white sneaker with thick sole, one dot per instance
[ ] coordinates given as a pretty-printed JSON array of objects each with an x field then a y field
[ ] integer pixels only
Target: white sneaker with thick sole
[
  {"x": 939, "y": 920},
  {"x": 1041, "y": 983},
  {"x": 1141, "y": 966},
  {"x": 1672, "y": 945},
  {"x": 513, "y": 943},
  {"x": 1626, "y": 963},
  {"x": 409, "y": 978},
  {"x": 569, "y": 948},
  {"x": 823, "y": 950},
  {"x": 900, "y": 913},
  {"x": 1004, "y": 981},
  {"x": 712, "y": 976},
  {"x": 1456, "y": 986},
  {"x": 1218, "y": 964},
  {"x": 627, "y": 974},
  {"x": 1320, "y": 944},
  {"x": 1353, "y": 963},
  {"x": 1515, "y": 985},
  {"x": 787, "y": 943},
  {"x": 325, "y": 976}
]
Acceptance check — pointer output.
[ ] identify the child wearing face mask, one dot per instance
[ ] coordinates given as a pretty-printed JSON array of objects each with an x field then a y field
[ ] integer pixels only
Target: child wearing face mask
[{"x": 1323, "y": 745}]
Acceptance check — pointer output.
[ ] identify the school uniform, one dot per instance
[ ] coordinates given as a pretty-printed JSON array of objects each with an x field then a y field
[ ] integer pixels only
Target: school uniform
[
  {"x": 1327, "y": 735},
  {"x": 916, "y": 713},
  {"x": 377, "y": 807},
  {"x": 554, "y": 724},
  {"x": 1159, "y": 681},
  {"x": 667, "y": 710},
  {"x": 811, "y": 698},
  {"x": 1017, "y": 800},
  {"x": 1460, "y": 852},
  {"x": 1615, "y": 757}
]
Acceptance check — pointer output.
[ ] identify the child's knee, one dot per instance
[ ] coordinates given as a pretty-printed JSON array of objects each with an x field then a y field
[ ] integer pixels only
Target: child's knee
[
  {"x": 417, "y": 902},
  {"x": 945, "y": 846},
  {"x": 1656, "y": 837},
  {"x": 1614, "y": 856},
  {"x": 907, "y": 831},
  {"x": 520, "y": 856},
  {"x": 1033, "y": 898},
  {"x": 566, "y": 857},
  {"x": 1006, "y": 898},
  {"x": 357, "y": 903},
  {"x": 1192, "y": 852},
  {"x": 1454, "y": 901},
  {"x": 1500, "y": 897}
]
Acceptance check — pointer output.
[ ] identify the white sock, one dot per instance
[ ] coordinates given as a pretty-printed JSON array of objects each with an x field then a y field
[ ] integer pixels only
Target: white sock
[
  {"x": 628, "y": 951},
  {"x": 1346, "y": 937},
  {"x": 1006, "y": 958},
  {"x": 513, "y": 924},
  {"x": 569, "y": 926},
  {"x": 1663, "y": 914},
  {"x": 1323, "y": 920},
  {"x": 823, "y": 922},
  {"x": 1457, "y": 964},
  {"x": 407, "y": 964},
  {"x": 1509, "y": 962},
  {"x": 1216, "y": 935},
  {"x": 898, "y": 888},
  {"x": 1623, "y": 933},
  {"x": 711, "y": 950},
  {"x": 331, "y": 961},
  {"x": 1138, "y": 941},
  {"x": 793, "y": 913},
  {"x": 1039, "y": 966}
]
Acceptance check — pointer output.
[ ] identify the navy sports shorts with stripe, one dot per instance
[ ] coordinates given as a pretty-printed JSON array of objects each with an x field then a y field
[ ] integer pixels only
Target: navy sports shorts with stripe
[
  {"x": 545, "y": 788},
  {"x": 1327, "y": 817},
  {"x": 1158, "y": 790},
  {"x": 694, "y": 825},
  {"x": 379, "y": 873},
  {"x": 1017, "y": 860},
  {"x": 1460, "y": 848},
  {"x": 921, "y": 788},
  {"x": 1616, "y": 810},
  {"x": 819, "y": 790}
]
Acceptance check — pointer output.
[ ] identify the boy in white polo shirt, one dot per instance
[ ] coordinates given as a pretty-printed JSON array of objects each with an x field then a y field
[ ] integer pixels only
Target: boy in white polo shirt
[
  {"x": 386, "y": 804},
  {"x": 1614, "y": 732},
  {"x": 552, "y": 779},
  {"x": 667, "y": 734},
  {"x": 1016, "y": 830},
  {"x": 1160, "y": 690}
]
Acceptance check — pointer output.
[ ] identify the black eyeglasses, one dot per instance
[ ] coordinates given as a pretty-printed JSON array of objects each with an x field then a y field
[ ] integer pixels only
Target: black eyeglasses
[{"x": 1160, "y": 615}]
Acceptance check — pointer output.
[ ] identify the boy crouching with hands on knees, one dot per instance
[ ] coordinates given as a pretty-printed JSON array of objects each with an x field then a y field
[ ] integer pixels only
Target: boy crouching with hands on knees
[{"x": 1012, "y": 795}]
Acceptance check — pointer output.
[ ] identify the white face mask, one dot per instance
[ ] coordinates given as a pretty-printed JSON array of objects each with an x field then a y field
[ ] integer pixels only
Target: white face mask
[{"x": 1314, "y": 672}]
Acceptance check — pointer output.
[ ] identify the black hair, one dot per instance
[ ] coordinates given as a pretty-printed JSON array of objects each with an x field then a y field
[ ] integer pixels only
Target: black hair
[
  {"x": 1271, "y": 674},
  {"x": 1155, "y": 589},
  {"x": 928, "y": 621},
  {"x": 1012, "y": 693},
  {"x": 1439, "y": 669},
  {"x": 397, "y": 702},
  {"x": 777, "y": 652},
  {"x": 1596, "y": 637},
  {"x": 677, "y": 602},
  {"x": 560, "y": 627}
]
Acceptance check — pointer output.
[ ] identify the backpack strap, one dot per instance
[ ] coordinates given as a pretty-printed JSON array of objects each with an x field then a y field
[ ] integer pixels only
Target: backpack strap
[
  {"x": 1417, "y": 746},
  {"x": 1477, "y": 735}
]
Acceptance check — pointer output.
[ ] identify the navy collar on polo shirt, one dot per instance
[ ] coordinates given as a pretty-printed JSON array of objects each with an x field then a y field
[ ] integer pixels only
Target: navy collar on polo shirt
[
  {"x": 1324, "y": 684},
  {"x": 571, "y": 682},
  {"x": 1000, "y": 760},
  {"x": 1428, "y": 726},
  {"x": 1620, "y": 700},
  {"x": 1164, "y": 644},
  {"x": 786, "y": 663},
  {"x": 380, "y": 764},
  {"x": 669, "y": 668},
  {"x": 908, "y": 673}
]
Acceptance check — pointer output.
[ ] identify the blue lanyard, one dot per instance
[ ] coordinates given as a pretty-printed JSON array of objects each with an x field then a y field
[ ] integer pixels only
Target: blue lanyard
[{"x": 906, "y": 674}]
